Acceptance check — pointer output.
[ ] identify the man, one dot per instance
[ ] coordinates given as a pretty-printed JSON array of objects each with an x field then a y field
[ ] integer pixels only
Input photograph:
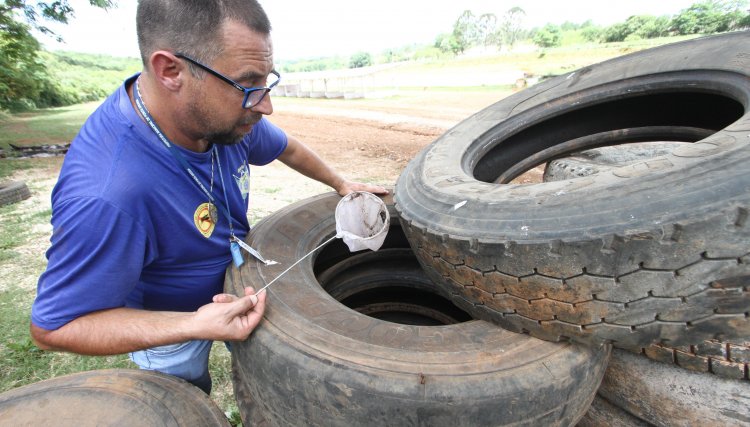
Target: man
[{"x": 155, "y": 187}]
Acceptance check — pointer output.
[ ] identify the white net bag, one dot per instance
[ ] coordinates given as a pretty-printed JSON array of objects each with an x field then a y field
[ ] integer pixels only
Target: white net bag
[{"x": 362, "y": 221}]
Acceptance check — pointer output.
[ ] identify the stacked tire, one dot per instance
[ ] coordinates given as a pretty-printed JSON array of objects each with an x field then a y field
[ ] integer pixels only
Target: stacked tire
[
  {"x": 651, "y": 256},
  {"x": 636, "y": 389},
  {"x": 655, "y": 251},
  {"x": 367, "y": 339}
]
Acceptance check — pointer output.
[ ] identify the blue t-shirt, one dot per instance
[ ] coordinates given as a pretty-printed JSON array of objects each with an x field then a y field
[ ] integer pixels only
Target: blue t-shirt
[{"x": 130, "y": 227}]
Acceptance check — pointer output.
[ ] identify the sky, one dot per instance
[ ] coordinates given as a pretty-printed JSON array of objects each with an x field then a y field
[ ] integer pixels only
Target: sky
[{"x": 309, "y": 29}]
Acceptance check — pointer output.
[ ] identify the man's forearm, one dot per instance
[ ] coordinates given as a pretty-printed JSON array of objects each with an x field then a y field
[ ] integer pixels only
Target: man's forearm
[
  {"x": 302, "y": 159},
  {"x": 122, "y": 330},
  {"x": 116, "y": 331}
]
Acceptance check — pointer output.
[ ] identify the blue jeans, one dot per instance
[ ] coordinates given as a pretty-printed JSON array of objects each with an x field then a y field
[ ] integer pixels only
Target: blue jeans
[{"x": 187, "y": 360}]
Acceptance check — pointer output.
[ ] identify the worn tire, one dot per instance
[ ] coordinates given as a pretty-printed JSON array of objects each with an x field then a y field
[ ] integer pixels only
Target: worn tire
[
  {"x": 722, "y": 358},
  {"x": 729, "y": 359},
  {"x": 665, "y": 395},
  {"x": 124, "y": 397},
  {"x": 602, "y": 413},
  {"x": 13, "y": 192},
  {"x": 315, "y": 361},
  {"x": 653, "y": 252}
]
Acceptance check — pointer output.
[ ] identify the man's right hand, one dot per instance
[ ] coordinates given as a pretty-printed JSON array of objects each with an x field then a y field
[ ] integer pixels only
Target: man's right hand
[{"x": 229, "y": 317}]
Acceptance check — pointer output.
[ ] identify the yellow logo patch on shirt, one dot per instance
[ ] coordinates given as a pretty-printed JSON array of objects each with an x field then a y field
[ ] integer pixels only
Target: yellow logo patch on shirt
[{"x": 203, "y": 221}]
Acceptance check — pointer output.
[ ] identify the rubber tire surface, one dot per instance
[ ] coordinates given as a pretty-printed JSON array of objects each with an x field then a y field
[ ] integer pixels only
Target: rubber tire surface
[
  {"x": 12, "y": 192},
  {"x": 602, "y": 413},
  {"x": 729, "y": 359},
  {"x": 122, "y": 397},
  {"x": 665, "y": 395},
  {"x": 313, "y": 361},
  {"x": 653, "y": 252}
]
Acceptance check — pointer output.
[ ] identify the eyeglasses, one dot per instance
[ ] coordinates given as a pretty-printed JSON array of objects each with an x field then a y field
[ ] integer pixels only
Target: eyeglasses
[{"x": 253, "y": 95}]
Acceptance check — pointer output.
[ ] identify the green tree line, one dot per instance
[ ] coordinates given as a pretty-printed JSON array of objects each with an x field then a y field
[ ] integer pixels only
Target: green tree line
[
  {"x": 704, "y": 17},
  {"x": 33, "y": 78}
]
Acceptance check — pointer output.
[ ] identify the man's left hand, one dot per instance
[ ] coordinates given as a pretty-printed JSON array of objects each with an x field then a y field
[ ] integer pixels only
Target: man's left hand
[{"x": 347, "y": 187}]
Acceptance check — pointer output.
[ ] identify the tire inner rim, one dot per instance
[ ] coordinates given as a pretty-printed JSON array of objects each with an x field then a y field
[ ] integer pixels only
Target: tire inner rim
[
  {"x": 680, "y": 107},
  {"x": 388, "y": 284}
]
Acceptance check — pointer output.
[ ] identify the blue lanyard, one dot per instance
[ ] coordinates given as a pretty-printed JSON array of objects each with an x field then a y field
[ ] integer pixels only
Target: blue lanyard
[{"x": 181, "y": 159}]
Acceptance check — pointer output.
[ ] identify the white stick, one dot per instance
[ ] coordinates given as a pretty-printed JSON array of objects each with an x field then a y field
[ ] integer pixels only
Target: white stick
[{"x": 297, "y": 262}]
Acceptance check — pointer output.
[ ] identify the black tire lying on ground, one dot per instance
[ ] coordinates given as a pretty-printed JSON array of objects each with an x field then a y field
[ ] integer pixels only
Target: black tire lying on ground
[
  {"x": 656, "y": 251},
  {"x": 602, "y": 413},
  {"x": 12, "y": 192},
  {"x": 317, "y": 359},
  {"x": 665, "y": 395},
  {"x": 112, "y": 397}
]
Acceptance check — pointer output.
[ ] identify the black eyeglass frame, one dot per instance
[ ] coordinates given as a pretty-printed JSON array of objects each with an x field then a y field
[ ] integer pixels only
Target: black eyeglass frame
[{"x": 246, "y": 90}]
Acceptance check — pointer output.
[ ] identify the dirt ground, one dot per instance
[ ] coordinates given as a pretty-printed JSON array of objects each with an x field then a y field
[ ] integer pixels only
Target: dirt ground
[
  {"x": 366, "y": 140},
  {"x": 375, "y": 138}
]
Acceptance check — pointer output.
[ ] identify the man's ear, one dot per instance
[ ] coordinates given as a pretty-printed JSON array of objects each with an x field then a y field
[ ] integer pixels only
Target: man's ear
[{"x": 168, "y": 70}]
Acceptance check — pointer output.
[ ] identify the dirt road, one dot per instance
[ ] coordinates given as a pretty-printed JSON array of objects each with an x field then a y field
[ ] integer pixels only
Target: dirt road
[{"x": 367, "y": 140}]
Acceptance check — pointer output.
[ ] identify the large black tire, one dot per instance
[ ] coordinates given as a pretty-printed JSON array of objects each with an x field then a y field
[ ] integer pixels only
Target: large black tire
[
  {"x": 656, "y": 251},
  {"x": 12, "y": 192},
  {"x": 728, "y": 359},
  {"x": 111, "y": 397},
  {"x": 665, "y": 395},
  {"x": 315, "y": 361}
]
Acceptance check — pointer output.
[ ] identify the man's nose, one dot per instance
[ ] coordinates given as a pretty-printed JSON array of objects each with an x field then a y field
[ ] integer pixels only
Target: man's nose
[{"x": 265, "y": 106}]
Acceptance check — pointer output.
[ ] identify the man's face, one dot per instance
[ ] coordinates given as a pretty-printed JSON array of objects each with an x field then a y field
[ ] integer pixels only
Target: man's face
[{"x": 216, "y": 107}]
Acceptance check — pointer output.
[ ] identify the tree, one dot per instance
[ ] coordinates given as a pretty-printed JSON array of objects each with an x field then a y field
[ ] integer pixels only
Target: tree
[
  {"x": 547, "y": 36},
  {"x": 638, "y": 27},
  {"x": 22, "y": 76},
  {"x": 448, "y": 43},
  {"x": 711, "y": 16},
  {"x": 19, "y": 65},
  {"x": 511, "y": 29},
  {"x": 360, "y": 59},
  {"x": 464, "y": 31},
  {"x": 35, "y": 14},
  {"x": 592, "y": 33},
  {"x": 653, "y": 27},
  {"x": 487, "y": 29}
]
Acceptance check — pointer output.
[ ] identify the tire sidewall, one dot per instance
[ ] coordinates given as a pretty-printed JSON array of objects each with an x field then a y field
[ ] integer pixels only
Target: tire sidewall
[{"x": 314, "y": 357}]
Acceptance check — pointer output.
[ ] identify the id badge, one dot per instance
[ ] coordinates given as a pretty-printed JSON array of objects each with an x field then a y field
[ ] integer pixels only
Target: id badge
[{"x": 236, "y": 254}]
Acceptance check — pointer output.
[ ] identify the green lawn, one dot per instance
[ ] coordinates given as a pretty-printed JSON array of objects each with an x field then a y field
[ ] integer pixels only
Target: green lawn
[{"x": 48, "y": 126}]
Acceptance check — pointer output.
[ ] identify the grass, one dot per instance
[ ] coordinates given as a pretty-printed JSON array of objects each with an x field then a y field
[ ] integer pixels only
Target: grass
[
  {"x": 13, "y": 233},
  {"x": 8, "y": 166},
  {"x": 47, "y": 126},
  {"x": 21, "y": 362}
]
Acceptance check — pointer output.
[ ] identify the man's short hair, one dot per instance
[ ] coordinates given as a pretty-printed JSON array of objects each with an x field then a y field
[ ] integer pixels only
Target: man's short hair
[{"x": 193, "y": 27}]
